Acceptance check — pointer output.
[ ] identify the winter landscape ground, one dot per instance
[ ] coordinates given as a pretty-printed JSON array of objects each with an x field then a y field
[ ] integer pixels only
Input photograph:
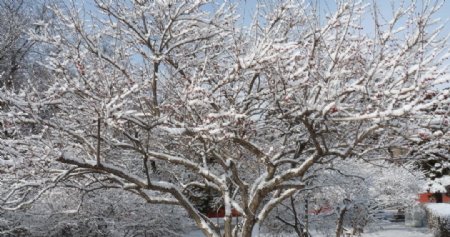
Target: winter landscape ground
[{"x": 387, "y": 230}]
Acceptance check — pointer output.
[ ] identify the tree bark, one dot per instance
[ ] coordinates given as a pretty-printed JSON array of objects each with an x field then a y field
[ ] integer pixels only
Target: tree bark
[
  {"x": 247, "y": 227},
  {"x": 340, "y": 221}
]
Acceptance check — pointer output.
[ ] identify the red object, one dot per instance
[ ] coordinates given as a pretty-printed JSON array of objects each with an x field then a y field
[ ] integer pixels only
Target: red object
[
  {"x": 221, "y": 213},
  {"x": 431, "y": 197},
  {"x": 326, "y": 209}
]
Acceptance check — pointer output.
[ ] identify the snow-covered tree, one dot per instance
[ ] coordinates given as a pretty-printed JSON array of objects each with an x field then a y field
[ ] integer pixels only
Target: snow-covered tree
[
  {"x": 17, "y": 51},
  {"x": 164, "y": 99},
  {"x": 431, "y": 147},
  {"x": 13, "y": 46},
  {"x": 348, "y": 194},
  {"x": 427, "y": 141}
]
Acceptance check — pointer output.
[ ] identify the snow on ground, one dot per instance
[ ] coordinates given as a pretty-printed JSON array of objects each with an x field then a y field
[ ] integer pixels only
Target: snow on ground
[
  {"x": 400, "y": 230},
  {"x": 389, "y": 230}
]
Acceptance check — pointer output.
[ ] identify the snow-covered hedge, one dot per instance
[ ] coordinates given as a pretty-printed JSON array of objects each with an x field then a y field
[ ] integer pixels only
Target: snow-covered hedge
[{"x": 439, "y": 218}]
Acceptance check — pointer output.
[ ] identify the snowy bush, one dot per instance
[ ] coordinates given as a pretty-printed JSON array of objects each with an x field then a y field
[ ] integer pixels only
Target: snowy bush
[
  {"x": 99, "y": 214},
  {"x": 439, "y": 218}
]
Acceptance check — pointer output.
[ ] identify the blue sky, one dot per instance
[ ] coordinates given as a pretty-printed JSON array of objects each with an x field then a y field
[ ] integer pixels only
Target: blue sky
[{"x": 247, "y": 8}]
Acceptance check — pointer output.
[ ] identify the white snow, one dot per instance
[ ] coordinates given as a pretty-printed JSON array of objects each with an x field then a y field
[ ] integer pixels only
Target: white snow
[
  {"x": 399, "y": 230},
  {"x": 390, "y": 230},
  {"x": 255, "y": 231},
  {"x": 439, "y": 209},
  {"x": 438, "y": 185}
]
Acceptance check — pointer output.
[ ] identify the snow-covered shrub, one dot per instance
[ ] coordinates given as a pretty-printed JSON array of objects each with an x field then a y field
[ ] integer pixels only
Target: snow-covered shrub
[
  {"x": 439, "y": 218},
  {"x": 65, "y": 212},
  {"x": 87, "y": 227}
]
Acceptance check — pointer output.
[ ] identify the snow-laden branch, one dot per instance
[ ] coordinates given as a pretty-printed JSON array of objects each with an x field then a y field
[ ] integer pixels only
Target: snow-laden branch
[{"x": 177, "y": 103}]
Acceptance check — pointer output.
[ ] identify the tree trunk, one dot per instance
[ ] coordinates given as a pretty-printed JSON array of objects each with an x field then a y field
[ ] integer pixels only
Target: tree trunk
[
  {"x": 247, "y": 227},
  {"x": 340, "y": 222},
  {"x": 228, "y": 229}
]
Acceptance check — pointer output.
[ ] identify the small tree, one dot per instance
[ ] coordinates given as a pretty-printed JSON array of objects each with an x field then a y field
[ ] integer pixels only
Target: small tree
[{"x": 178, "y": 90}]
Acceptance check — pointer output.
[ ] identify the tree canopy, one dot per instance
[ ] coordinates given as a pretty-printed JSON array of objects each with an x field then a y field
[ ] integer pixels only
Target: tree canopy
[{"x": 163, "y": 98}]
